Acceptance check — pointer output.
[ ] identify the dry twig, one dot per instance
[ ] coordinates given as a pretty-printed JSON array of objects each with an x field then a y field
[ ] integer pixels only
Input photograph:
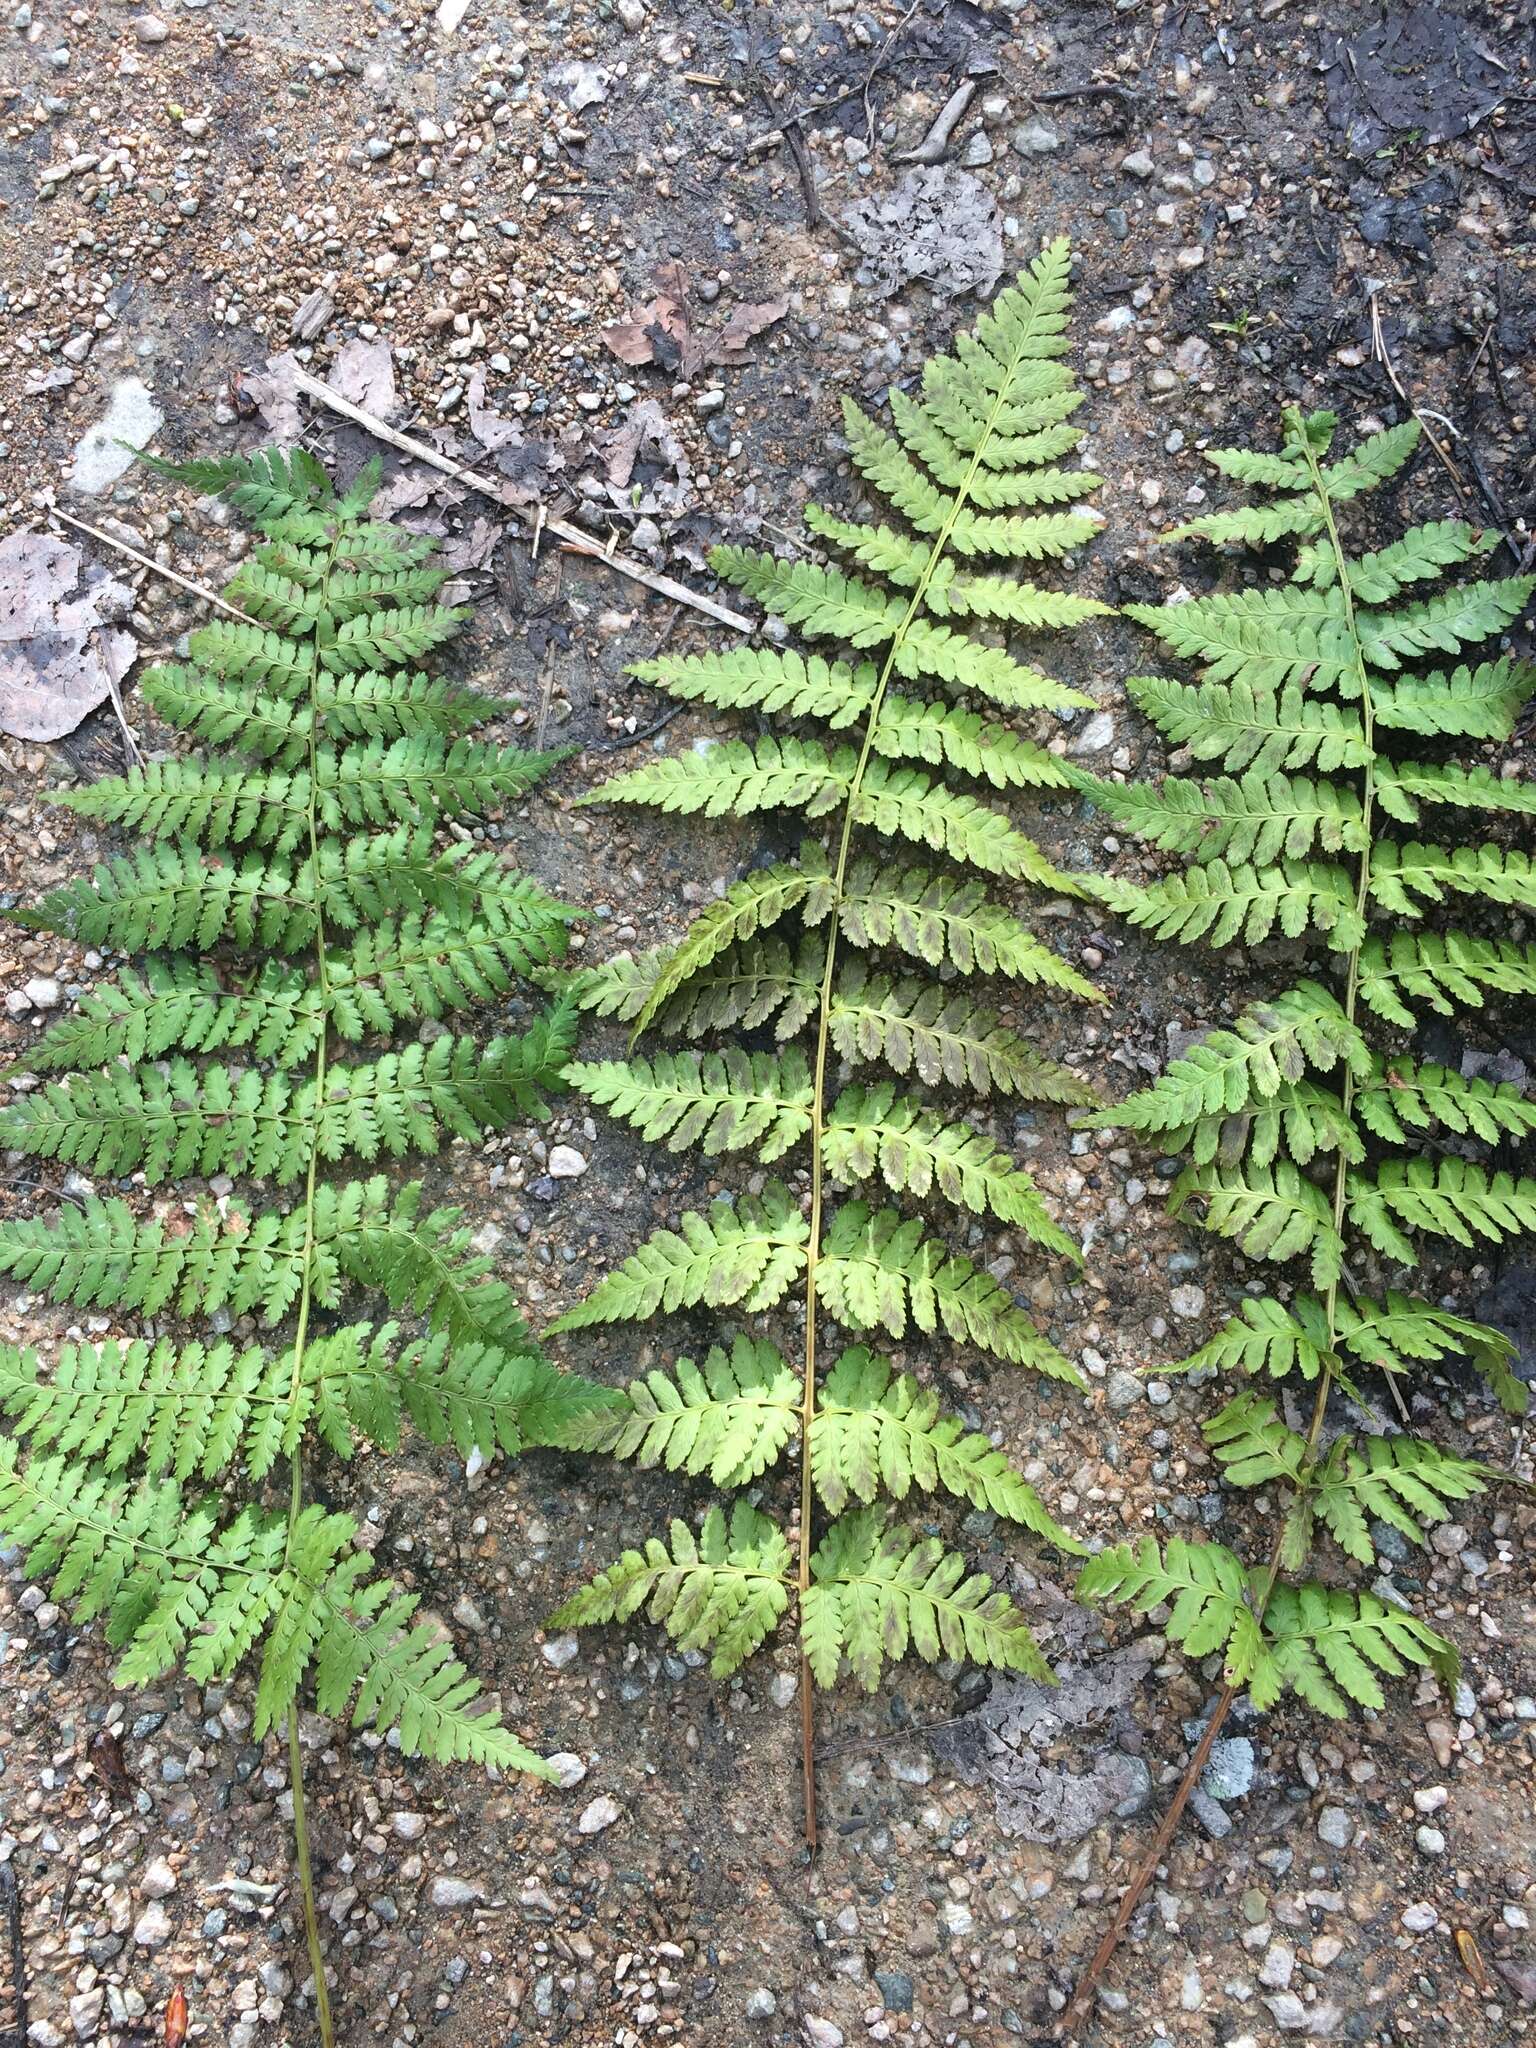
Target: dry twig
[{"x": 517, "y": 501}]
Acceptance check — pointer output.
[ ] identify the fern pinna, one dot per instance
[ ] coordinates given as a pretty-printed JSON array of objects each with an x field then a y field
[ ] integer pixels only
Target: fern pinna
[
  {"x": 1315, "y": 1130},
  {"x": 785, "y": 954},
  {"x": 294, "y": 911}
]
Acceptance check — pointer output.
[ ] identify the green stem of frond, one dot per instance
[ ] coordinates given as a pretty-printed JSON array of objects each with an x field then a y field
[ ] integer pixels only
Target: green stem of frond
[
  {"x": 1348, "y": 1083},
  {"x": 914, "y": 610},
  {"x": 301, "y": 1338}
]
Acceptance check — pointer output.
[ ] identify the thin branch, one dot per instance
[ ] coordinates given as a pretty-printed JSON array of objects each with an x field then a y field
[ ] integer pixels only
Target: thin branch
[
  {"x": 516, "y": 501},
  {"x": 155, "y": 568}
]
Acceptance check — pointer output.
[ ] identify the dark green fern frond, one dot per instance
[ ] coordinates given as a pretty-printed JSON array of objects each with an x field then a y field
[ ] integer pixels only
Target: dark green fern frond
[
  {"x": 1310, "y": 699},
  {"x": 972, "y": 479},
  {"x": 293, "y": 896}
]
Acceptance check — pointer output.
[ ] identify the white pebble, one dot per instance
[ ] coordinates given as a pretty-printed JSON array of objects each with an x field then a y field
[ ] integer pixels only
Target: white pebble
[
  {"x": 600, "y": 1814},
  {"x": 565, "y": 1162}
]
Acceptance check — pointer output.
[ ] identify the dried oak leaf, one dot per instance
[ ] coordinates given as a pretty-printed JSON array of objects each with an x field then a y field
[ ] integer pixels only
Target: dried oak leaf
[{"x": 60, "y": 653}]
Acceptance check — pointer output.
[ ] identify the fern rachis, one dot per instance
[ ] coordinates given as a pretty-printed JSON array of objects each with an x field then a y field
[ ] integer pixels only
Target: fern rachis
[
  {"x": 123, "y": 1467},
  {"x": 1293, "y": 1115},
  {"x": 787, "y": 949}
]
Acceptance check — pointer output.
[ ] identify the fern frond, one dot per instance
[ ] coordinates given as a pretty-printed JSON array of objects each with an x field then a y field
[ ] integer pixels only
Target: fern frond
[
  {"x": 748, "y": 985},
  {"x": 753, "y": 905},
  {"x": 873, "y": 1130},
  {"x": 879, "y": 1590},
  {"x": 1421, "y": 555},
  {"x": 942, "y": 734},
  {"x": 180, "y": 1121},
  {"x": 966, "y": 472},
  {"x": 875, "y": 1429},
  {"x": 1400, "y": 1331},
  {"x": 723, "y": 1102},
  {"x": 745, "y": 1253},
  {"x": 941, "y": 920},
  {"x": 1203, "y": 1585},
  {"x": 1327, "y": 1647},
  {"x": 173, "y": 1589},
  {"x": 1441, "y": 971},
  {"x": 1253, "y": 820},
  {"x": 1265, "y": 1337},
  {"x": 1444, "y": 623},
  {"x": 771, "y": 680},
  {"x": 1251, "y": 1444},
  {"x": 1266, "y": 640},
  {"x": 917, "y": 1027},
  {"x": 877, "y": 1270},
  {"x": 1444, "y": 1197},
  {"x": 264, "y": 486},
  {"x": 1400, "y": 875},
  {"x": 1402, "y": 787},
  {"x": 1217, "y": 904},
  {"x": 730, "y": 1418},
  {"x": 1468, "y": 703},
  {"x": 1270, "y": 1044},
  {"x": 1402, "y": 1481},
  {"x": 1270, "y": 1212},
  {"x": 1404, "y": 1096},
  {"x": 720, "y": 1591},
  {"x": 1243, "y": 727}
]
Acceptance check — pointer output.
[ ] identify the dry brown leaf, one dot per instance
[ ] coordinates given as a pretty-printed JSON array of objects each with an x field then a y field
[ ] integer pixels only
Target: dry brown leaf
[
  {"x": 60, "y": 655},
  {"x": 275, "y": 396},
  {"x": 662, "y": 332},
  {"x": 745, "y": 323},
  {"x": 364, "y": 372}
]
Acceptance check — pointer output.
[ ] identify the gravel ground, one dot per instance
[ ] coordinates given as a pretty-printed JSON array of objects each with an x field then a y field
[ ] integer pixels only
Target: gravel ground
[{"x": 184, "y": 193}]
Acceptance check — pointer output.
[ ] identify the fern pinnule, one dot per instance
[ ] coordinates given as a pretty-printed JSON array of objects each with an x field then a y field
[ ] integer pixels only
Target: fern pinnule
[
  {"x": 293, "y": 900},
  {"x": 1316, "y": 1134},
  {"x": 863, "y": 944}
]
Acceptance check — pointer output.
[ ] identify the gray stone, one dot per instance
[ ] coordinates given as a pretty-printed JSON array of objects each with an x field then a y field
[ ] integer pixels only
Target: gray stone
[
  {"x": 1035, "y": 138},
  {"x": 1420, "y": 1917},
  {"x": 559, "y": 1651},
  {"x": 1139, "y": 1794},
  {"x": 153, "y": 1927},
  {"x": 158, "y": 1880},
  {"x": 149, "y": 28},
  {"x": 1290, "y": 2015},
  {"x": 565, "y": 1162},
  {"x": 601, "y": 1813},
  {"x": 131, "y": 417},
  {"x": 1122, "y": 1390},
  {"x": 820, "y": 2033},
  {"x": 1098, "y": 732},
  {"x": 455, "y": 1891},
  {"x": 1278, "y": 1966},
  {"x": 895, "y": 1988},
  {"x": 1229, "y": 1773},
  {"x": 761, "y": 2004},
  {"x": 1335, "y": 1827},
  {"x": 568, "y": 1768},
  {"x": 1137, "y": 163}
]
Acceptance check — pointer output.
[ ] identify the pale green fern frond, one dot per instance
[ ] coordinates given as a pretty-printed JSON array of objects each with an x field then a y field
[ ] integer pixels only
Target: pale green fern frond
[
  {"x": 971, "y": 481},
  {"x": 294, "y": 895},
  {"x": 1397, "y": 1156}
]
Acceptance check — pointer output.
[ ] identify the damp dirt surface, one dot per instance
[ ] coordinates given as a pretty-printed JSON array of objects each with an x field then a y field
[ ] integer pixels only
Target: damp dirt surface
[{"x": 1270, "y": 205}]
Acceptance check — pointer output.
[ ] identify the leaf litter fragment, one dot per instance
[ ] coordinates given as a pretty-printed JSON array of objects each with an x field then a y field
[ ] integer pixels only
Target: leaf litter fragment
[
  {"x": 661, "y": 331},
  {"x": 61, "y": 650}
]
